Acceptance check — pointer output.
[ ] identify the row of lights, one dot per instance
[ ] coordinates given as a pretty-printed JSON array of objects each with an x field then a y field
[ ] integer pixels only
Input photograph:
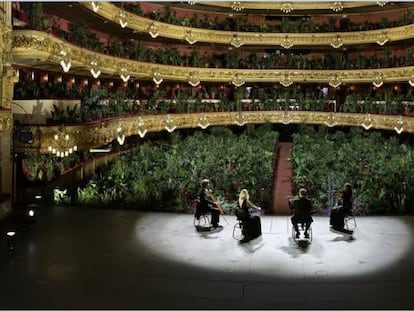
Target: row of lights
[
  {"x": 287, "y": 7},
  {"x": 240, "y": 119},
  {"x": 286, "y": 43},
  {"x": 238, "y": 81},
  {"x": 236, "y": 41},
  {"x": 193, "y": 80}
]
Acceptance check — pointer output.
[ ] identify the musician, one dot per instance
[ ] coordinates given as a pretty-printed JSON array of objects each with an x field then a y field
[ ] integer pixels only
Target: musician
[
  {"x": 251, "y": 226},
  {"x": 344, "y": 209},
  {"x": 347, "y": 199},
  {"x": 207, "y": 205},
  {"x": 302, "y": 209}
]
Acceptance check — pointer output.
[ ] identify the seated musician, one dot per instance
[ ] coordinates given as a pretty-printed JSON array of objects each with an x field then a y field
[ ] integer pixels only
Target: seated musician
[
  {"x": 207, "y": 205},
  {"x": 344, "y": 209},
  {"x": 251, "y": 225},
  {"x": 302, "y": 213}
]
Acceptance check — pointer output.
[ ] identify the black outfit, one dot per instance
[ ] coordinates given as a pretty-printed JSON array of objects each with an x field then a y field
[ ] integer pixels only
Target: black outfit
[
  {"x": 337, "y": 217},
  {"x": 347, "y": 201},
  {"x": 206, "y": 205},
  {"x": 302, "y": 214},
  {"x": 251, "y": 225}
]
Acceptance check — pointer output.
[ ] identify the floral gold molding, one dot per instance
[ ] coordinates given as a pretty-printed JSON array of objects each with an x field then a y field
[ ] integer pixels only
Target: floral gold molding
[
  {"x": 142, "y": 24},
  {"x": 98, "y": 134},
  {"x": 6, "y": 121},
  {"x": 35, "y": 49},
  {"x": 296, "y": 5}
]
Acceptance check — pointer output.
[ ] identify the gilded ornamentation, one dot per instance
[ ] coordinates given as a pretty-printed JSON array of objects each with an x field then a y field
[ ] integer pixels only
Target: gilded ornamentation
[
  {"x": 96, "y": 135},
  {"x": 142, "y": 24},
  {"x": 5, "y": 121},
  {"x": 37, "y": 47}
]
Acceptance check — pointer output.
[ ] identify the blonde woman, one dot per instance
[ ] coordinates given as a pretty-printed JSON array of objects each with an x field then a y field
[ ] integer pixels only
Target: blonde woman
[{"x": 251, "y": 226}]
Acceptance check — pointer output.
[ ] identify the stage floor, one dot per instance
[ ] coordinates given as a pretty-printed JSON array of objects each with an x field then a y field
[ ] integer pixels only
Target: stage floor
[{"x": 74, "y": 258}]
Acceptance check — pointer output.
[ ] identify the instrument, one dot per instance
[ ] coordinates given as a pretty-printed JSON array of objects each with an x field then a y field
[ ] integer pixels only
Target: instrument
[{"x": 213, "y": 198}]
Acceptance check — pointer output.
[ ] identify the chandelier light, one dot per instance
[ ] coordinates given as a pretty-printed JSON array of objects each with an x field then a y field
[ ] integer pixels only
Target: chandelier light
[
  {"x": 378, "y": 80},
  {"x": 190, "y": 37},
  {"x": 381, "y": 3},
  {"x": 286, "y": 7},
  {"x": 123, "y": 73},
  {"x": 62, "y": 144},
  {"x": 383, "y": 38},
  {"x": 95, "y": 71},
  {"x": 122, "y": 19},
  {"x": 411, "y": 81},
  {"x": 237, "y": 6},
  {"x": 95, "y": 6},
  {"x": 192, "y": 2},
  {"x": 331, "y": 120},
  {"x": 337, "y": 7},
  {"x": 400, "y": 125},
  {"x": 153, "y": 30},
  {"x": 287, "y": 42},
  {"x": 170, "y": 125},
  {"x": 237, "y": 80},
  {"x": 156, "y": 77},
  {"x": 193, "y": 80},
  {"x": 203, "y": 122},
  {"x": 337, "y": 42},
  {"x": 236, "y": 41},
  {"x": 286, "y": 81},
  {"x": 142, "y": 129},
  {"x": 120, "y": 136},
  {"x": 240, "y": 120},
  {"x": 65, "y": 61},
  {"x": 286, "y": 119},
  {"x": 335, "y": 81},
  {"x": 367, "y": 123}
]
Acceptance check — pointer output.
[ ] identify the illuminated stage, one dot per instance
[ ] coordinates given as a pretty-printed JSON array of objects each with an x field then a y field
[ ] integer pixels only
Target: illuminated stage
[{"x": 114, "y": 259}]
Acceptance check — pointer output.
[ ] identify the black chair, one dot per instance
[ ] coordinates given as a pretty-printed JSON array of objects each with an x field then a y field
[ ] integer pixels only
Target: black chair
[
  {"x": 201, "y": 219},
  {"x": 350, "y": 221},
  {"x": 238, "y": 227},
  {"x": 301, "y": 227},
  {"x": 238, "y": 230}
]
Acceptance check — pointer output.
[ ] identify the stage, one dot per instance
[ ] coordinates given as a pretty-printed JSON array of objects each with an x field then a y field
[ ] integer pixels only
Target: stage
[{"x": 79, "y": 258}]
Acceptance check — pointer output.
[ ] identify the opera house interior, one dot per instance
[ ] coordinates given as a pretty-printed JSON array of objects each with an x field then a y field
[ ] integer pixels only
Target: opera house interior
[{"x": 128, "y": 130}]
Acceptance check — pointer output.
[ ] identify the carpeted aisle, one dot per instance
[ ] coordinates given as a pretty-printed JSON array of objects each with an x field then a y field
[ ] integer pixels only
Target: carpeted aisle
[{"x": 283, "y": 182}]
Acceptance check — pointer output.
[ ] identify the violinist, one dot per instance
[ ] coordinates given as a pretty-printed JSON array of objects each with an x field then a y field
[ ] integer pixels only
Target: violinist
[{"x": 208, "y": 204}]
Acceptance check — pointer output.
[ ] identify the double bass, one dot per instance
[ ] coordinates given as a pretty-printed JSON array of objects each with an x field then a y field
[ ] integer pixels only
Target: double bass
[{"x": 213, "y": 198}]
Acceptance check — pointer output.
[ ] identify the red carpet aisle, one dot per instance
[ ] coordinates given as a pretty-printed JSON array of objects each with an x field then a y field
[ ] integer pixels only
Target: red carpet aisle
[{"x": 283, "y": 183}]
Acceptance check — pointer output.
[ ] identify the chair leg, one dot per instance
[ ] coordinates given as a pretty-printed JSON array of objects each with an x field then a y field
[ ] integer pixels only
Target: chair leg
[
  {"x": 203, "y": 220},
  {"x": 237, "y": 226}
]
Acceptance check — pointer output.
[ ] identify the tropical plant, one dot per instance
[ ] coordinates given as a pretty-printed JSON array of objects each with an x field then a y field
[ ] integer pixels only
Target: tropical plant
[
  {"x": 379, "y": 168},
  {"x": 164, "y": 175}
]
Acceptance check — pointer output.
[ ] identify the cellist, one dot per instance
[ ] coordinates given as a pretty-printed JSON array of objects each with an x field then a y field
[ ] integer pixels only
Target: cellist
[{"x": 208, "y": 205}]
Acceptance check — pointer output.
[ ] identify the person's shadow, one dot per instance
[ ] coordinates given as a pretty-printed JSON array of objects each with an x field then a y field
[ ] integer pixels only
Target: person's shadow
[
  {"x": 297, "y": 247},
  {"x": 208, "y": 232},
  {"x": 252, "y": 246}
]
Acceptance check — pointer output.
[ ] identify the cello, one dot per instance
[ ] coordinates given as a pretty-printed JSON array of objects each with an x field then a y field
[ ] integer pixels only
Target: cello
[{"x": 213, "y": 198}]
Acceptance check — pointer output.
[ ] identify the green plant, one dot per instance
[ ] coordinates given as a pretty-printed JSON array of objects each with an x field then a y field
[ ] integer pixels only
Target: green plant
[{"x": 165, "y": 174}]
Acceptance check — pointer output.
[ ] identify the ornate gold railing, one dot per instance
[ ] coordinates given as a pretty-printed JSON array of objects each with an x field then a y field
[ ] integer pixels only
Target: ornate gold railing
[
  {"x": 35, "y": 48},
  {"x": 101, "y": 133},
  {"x": 295, "y": 5},
  {"x": 336, "y": 39}
]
